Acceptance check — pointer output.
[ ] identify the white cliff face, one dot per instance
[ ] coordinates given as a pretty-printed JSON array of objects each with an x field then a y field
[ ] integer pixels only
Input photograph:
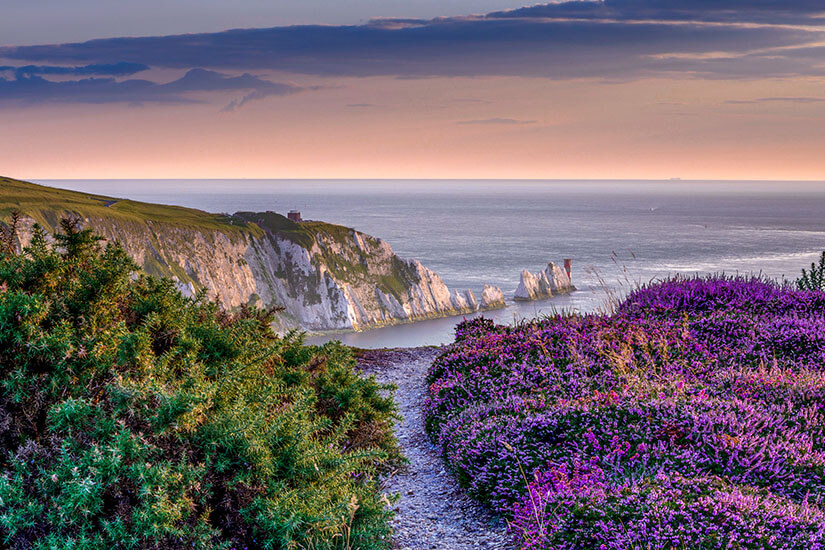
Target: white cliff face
[
  {"x": 550, "y": 282},
  {"x": 558, "y": 280},
  {"x": 364, "y": 283},
  {"x": 326, "y": 277},
  {"x": 491, "y": 298},
  {"x": 186, "y": 289}
]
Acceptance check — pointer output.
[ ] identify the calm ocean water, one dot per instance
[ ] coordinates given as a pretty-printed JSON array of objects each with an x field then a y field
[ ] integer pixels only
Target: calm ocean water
[{"x": 472, "y": 232}]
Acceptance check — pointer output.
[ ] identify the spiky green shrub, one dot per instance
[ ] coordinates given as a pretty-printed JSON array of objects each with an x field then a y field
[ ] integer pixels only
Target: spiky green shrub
[
  {"x": 813, "y": 279},
  {"x": 132, "y": 417}
]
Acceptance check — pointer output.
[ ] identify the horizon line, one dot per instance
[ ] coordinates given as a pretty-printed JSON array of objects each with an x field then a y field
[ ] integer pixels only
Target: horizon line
[{"x": 435, "y": 179}]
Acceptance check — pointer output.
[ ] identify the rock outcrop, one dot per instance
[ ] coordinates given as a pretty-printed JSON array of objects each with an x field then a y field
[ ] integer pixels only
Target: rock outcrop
[
  {"x": 327, "y": 277},
  {"x": 472, "y": 302},
  {"x": 492, "y": 298},
  {"x": 550, "y": 282}
]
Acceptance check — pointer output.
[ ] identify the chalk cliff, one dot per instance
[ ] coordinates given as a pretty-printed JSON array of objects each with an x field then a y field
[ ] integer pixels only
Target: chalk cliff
[
  {"x": 328, "y": 277},
  {"x": 550, "y": 282}
]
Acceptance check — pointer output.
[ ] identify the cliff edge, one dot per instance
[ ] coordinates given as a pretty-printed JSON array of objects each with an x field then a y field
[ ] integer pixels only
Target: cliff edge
[{"x": 327, "y": 277}]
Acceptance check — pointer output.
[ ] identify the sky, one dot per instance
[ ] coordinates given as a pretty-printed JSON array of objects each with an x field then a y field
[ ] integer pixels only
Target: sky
[{"x": 615, "y": 89}]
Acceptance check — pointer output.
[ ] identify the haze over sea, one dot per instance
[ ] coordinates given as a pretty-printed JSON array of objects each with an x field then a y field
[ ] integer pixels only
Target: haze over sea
[{"x": 476, "y": 232}]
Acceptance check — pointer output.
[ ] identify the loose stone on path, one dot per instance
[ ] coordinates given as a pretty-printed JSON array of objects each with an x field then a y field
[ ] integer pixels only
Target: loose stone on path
[{"x": 433, "y": 511}]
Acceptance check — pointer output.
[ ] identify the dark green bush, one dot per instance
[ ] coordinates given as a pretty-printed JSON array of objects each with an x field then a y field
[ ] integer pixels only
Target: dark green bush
[
  {"x": 132, "y": 417},
  {"x": 815, "y": 278}
]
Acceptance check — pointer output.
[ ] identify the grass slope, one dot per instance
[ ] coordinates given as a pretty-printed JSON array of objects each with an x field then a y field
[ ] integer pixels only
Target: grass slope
[{"x": 47, "y": 205}]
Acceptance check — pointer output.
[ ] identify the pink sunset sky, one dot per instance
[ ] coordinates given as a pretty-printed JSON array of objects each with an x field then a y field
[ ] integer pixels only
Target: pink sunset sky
[{"x": 732, "y": 89}]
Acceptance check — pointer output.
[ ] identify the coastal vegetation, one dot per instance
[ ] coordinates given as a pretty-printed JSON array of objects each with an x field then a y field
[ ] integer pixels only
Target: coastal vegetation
[
  {"x": 134, "y": 417},
  {"x": 691, "y": 417},
  {"x": 813, "y": 278},
  {"x": 688, "y": 415}
]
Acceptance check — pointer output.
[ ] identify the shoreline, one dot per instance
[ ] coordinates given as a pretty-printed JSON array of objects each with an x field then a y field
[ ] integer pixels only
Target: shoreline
[
  {"x": 512, "y": 303},
  {"x": 402, "y": 322},
  {"x": 440, "y": 331}
]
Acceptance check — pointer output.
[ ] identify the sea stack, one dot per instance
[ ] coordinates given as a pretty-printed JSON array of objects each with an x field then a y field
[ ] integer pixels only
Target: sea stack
[
  {"x": 470, "y": 297},
  {"x": 492, "y": 298},
  {"x": 551, "y": 282},
  {"x": 460, "y": 302}
]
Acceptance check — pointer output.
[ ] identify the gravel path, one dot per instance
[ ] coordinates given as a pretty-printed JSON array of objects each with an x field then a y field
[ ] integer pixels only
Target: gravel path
[{"x": 433, "y": 511}]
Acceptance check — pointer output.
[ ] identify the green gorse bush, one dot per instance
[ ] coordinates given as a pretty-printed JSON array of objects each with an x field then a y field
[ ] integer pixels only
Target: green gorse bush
[
  {"x": 813, "y": 279},
  {"x": 132, "y": 417}
]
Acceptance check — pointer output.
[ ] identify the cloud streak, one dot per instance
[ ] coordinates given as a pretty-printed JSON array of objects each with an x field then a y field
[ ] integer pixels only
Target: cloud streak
[
  {"x": 35, "y": 89},
  {"x": 496, "y": 121},
  {"x": 802, "y": 100},
  {"x": 772, "y": 12},
  {"x": 104, "y": 69},
  {"x": 610, "y": 39}
]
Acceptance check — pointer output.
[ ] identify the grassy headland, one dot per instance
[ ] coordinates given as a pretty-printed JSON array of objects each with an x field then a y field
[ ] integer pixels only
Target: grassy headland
[
  {"x": 239, "y": 258},
  {"x": 48, "y": 205}
]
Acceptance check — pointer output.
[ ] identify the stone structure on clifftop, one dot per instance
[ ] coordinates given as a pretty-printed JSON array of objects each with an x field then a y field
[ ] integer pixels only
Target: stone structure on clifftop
[{"x": 551, "y": 282}]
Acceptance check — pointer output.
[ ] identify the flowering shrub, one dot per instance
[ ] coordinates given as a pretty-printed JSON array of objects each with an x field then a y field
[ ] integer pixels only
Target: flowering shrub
[
  {"x": 571, "y": 510},
  {"x": 691, "y": 418}
]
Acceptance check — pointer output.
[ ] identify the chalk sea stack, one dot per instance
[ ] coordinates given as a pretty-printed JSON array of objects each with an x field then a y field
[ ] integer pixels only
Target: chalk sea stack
[
  {"x": 492, "y": 298},
  {"x": 551, "y": 282}
]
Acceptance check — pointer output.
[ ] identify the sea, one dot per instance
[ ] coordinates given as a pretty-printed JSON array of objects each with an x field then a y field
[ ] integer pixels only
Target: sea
[{"x": 619, "y": 234}]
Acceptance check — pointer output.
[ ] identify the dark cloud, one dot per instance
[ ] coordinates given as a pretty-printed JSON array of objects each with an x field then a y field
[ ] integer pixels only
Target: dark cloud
[
  {"x": 101, "y": 69},
  {"x": 614, "y": 39},
  {"x": 795, "y": 12},
  {"x": 36, "y": 89},
  {"x": 498, "y": 121},
  {"x": 202, "y": 80}
]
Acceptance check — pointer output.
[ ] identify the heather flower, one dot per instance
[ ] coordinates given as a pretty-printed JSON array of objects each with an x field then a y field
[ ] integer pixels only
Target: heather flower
[{"x": 691, "y": 418}]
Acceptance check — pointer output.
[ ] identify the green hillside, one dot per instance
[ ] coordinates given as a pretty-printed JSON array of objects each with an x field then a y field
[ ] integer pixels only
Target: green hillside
[{"x": 47, "y": 205}]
